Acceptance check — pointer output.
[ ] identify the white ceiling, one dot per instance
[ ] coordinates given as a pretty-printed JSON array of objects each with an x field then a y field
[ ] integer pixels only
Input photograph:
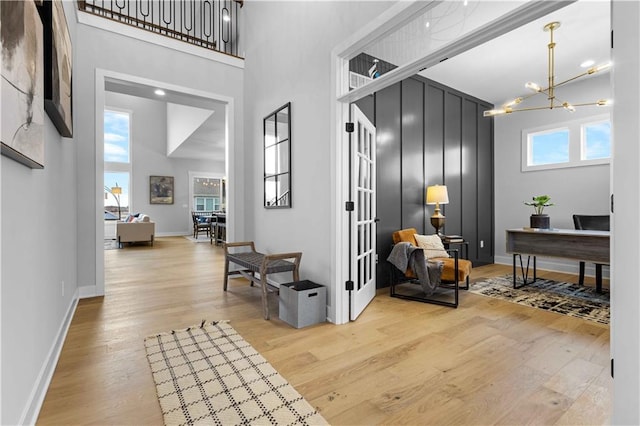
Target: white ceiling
[
  {"x": 497, "y": 71},
  {"x": 207, "y": 142}
]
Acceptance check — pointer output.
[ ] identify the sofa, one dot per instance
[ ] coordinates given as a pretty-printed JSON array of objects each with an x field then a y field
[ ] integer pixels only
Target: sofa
[{"x": 134, "y": 229}]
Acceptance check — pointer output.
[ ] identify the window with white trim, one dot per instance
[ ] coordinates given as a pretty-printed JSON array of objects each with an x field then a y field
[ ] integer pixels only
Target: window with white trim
[
  {"x": 576, "y": 143},
  {"x": 117, "y": 161}
]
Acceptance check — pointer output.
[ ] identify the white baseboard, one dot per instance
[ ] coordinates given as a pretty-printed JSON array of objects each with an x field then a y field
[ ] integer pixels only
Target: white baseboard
[
  {"x": 87, "y": 291},
  {"x": 39, "y": 391},
  {"x": 555, "y": 265},
  {"x": 173, "y": 234}
]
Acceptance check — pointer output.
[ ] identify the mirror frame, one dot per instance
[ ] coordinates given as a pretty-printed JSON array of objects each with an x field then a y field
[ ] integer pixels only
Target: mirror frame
[{"x": 278, "y": 174}]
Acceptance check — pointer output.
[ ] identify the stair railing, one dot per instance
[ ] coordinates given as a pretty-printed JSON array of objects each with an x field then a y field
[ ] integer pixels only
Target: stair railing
[{"x": 212, "y": 24}]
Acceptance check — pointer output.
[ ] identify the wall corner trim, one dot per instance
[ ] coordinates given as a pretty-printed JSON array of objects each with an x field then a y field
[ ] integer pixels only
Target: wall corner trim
[{"x": 39, "y": 391}]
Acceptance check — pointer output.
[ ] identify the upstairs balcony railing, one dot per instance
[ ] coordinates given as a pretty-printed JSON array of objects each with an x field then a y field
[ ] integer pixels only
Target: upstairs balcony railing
[{"x": 212, "y": 24}]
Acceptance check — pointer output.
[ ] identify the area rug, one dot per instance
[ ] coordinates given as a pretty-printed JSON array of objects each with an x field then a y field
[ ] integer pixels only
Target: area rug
[
  {"x": 208, "y": 374},
  {"x": 110, "y": 244},
  {"x": 553, "y": 296},
  {"x": 201, "y": 239}
]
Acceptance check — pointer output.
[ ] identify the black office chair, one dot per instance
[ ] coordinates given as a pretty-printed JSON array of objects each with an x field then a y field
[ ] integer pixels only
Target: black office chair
[{"x": 594, "y": 223}]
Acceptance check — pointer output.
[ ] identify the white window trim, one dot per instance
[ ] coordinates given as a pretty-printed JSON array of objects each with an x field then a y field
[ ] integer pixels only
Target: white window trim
[{"x": 576, "y": 144}]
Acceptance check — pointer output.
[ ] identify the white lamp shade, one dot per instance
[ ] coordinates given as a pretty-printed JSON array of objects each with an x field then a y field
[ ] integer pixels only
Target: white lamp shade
[{"x": 437, "y": 194}]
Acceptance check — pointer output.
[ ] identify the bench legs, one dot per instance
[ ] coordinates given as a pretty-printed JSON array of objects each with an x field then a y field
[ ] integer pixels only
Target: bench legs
[
  {"x": 265, "y": 300},
  {"x": 226, "y": 273}
]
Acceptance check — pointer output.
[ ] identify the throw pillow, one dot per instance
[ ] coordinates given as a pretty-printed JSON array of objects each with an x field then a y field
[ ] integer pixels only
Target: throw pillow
[{"x": 432, "y": 245}]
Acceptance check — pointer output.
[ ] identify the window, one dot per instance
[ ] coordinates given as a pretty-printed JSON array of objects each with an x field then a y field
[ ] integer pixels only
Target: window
[
  {"x": 577, "y": 143},
  {"x": 206, "y": 204},
  {"x": 549, "y": 147},
  {"x": 208, "y": 194},
  {"x": 596, "y": 140},
  {"x": 116, "y": 202},
  {"x": 116, "y": 136},
  {"x": 117, "y": 161}
]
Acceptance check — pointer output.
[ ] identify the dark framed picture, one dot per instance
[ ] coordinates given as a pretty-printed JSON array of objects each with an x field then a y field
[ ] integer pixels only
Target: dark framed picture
[
  {"x": 57, "y": 66},
  {"x": 22, "y": 116},
  {"x": 161, "y": 189}
]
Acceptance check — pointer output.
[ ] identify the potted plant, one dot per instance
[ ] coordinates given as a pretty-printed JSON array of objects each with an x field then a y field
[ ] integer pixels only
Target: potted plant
[{"x": 539, "y": 219}]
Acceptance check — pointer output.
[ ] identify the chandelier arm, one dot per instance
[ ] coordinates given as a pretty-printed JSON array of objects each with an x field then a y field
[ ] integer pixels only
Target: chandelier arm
[
  {"x": 586, "y": 104},
  {"x": 532, "y": 109},
  {"x": 522, "y": 98},
  {"x": 572, "y": 79}
]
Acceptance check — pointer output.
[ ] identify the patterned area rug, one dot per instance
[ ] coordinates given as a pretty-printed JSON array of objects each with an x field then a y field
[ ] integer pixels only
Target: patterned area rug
[
  {"x": 110, "y": 244},
  {"x": 564, "y": 298},
  {"x": 208, "y": 374},
  {"x": 201, "y": 239}
]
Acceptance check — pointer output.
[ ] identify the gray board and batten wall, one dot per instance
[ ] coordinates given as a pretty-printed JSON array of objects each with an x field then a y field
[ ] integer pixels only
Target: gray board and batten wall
[{"x": 429, "y": 134}]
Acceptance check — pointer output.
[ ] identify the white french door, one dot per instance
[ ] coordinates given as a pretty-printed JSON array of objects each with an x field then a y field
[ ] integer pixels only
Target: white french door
[{"x": 362, "y": 223}]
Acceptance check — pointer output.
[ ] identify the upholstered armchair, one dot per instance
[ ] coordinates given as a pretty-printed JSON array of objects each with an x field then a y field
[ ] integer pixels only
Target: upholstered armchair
[{"x": 454, "y": 270}]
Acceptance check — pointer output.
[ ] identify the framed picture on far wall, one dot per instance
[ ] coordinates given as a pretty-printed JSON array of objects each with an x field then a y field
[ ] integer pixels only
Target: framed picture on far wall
[{"x": 161, "y": 189}]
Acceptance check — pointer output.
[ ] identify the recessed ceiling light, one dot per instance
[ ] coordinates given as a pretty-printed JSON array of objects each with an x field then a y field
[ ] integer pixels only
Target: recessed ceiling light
[
  {"x": 226, "y": 18},
  {"x": 587, "y": 63},
  {"x": 159, "y": 92},
  {"x": 428, "y": 24},
  {"x": 465, "y": 3}
]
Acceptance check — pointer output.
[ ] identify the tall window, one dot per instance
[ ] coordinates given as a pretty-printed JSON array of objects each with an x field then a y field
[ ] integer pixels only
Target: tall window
[
  {"x": 577, "y": 143},
  {"x": 117, "y": 162}
]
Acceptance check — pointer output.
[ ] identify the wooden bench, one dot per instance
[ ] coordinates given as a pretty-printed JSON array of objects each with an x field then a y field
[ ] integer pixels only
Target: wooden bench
[{"x": 264, "y": 264}]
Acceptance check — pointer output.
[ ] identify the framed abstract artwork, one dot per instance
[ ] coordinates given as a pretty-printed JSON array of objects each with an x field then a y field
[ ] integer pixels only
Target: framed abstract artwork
[
  {"x": 161, "y": 189},
  {"x": 58, "y": 67},
  {"x": 22, "y": 115}
]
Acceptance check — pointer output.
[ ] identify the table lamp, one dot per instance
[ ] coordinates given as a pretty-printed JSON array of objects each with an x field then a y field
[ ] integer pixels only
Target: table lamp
[{"x": 437, "y": 194}]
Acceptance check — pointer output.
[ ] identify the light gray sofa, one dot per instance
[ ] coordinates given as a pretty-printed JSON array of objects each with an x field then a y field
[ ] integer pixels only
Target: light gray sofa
[{"x": 142, "y": 229}]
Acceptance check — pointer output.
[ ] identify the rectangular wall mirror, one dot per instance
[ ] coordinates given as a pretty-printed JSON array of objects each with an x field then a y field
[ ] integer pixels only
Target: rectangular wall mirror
[{"x": 277, "y": 158}]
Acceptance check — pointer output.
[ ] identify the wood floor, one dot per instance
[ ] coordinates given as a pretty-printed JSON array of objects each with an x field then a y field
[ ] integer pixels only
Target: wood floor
[{"x": 402, "y": 362}]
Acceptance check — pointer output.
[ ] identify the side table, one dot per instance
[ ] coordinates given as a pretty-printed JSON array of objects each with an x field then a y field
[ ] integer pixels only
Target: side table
[{"x": 464, "y": 244}]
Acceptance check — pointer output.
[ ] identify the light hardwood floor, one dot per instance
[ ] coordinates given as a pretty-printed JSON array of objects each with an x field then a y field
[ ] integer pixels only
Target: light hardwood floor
[{"x": 401, "y": 362}]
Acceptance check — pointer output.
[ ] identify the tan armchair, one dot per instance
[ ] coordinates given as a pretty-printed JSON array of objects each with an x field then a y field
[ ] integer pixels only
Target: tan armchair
[
  {"x": 454, "y": 270},
  {"x": 131, "y": 232}
]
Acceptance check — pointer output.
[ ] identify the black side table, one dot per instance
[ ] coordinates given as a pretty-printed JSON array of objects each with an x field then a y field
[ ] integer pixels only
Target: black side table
[{"x": 464, "y": 253}]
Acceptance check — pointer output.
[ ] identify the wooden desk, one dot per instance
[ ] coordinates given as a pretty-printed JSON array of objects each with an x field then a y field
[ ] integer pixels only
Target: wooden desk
[{"x": 592, "y": 246}]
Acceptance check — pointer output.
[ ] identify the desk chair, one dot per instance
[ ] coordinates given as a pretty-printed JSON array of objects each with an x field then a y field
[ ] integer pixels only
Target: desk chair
[{"x": 593, "y": 223}]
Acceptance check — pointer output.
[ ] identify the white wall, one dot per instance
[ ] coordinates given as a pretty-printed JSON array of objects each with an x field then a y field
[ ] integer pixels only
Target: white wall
[
  {"x": 38, "y": 256},
  {"x": 111, "y": 52},
  {"x": 288, "y": 47},
  {"x": 575, "y": 190},
  {"x": 38, "y": 278},
  {"x": 149, "y": 158}
]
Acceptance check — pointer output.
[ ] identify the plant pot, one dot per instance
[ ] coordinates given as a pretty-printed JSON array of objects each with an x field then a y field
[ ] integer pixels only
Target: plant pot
[{"x": 540, "y": 221}]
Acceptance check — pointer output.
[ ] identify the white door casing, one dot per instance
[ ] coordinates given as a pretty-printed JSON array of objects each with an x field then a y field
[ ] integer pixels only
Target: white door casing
[{"x": 362, "y": 222}]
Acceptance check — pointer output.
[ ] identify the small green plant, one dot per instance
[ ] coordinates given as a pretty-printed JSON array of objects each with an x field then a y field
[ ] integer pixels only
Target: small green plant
[{"x": 539, "y": 203}]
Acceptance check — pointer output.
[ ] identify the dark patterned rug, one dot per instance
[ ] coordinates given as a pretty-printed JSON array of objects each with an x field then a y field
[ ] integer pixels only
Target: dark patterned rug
[
  {"x": 208, "y": 374},
  {"x": 553, "y": 296}
]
